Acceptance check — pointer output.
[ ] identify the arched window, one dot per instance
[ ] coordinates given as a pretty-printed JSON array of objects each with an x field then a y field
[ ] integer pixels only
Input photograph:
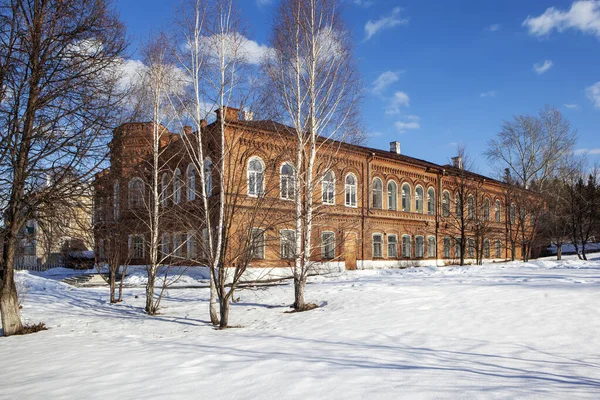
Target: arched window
[
  {"x": 430, "y": 201},
  {"x": 208, "y": 176},
  {"x": 497, "y": 211},
  {"x": 486, "y": 210},
  {"x": 470, "y": 207},
  {"x": 328, "y": 187},
  {"x": 486, "y": 249},
  {"x": 164, "y": 190},
  {"x": 419, "y": 246},
  {"x": 392, "y": 190},
  {"x": 406, "y": 197},
  {"x": 459, "y": 206},
  {"x": 377, "y": 193},
  {"x": 256, "y": 176},
  {"x": 177, "y": 186},
  {"x": 136, "y": 193},
  {"x": 446, "y": 204},
  {"x": 350, "y": 190},
  {"x": 419, "y": 199},
  {"x": 431, "y": 247},
  {"x": 287, "y": 182},
  {"x": 406, "y": 246},
  {"x": 191, "y": 182}
]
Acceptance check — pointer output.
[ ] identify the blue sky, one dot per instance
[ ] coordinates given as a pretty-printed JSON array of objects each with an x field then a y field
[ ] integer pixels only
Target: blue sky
[{"x": 440, "y": 72}]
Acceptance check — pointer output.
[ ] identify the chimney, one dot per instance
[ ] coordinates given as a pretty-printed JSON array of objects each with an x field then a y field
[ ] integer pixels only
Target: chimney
[
  {"x": 395, "y": 147},
  {"x": 231, "y": 114},
  {"x": 247, "y": 115},
  {"x": 457, "y": 162}
]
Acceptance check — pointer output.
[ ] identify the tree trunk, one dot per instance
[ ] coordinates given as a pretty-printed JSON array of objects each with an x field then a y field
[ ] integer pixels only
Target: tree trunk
[
  {"x": 224, "y": 311},
  {"x": 150, "y": 307},
  {"x": 583, "y": 251},
  {"x": 299, "y": 287},
  {"x": 112, "y": 284},
  {"x": 9, "y": 300},
  {"x": 214, "y": 317},
  {"x": 559, "y": 252}
]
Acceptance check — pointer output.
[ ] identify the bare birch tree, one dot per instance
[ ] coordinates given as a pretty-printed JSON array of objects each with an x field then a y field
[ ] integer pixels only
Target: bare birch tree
[
  {"x": 531, "y": 149},
  {"x": 58, "y": 102},
  {"x": 313, "y": 78}
]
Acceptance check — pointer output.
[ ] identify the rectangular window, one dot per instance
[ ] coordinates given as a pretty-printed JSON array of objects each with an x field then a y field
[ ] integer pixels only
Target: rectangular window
[
  {"x": 328, "y": 245},
  {"x": 257, "y": 246},
  {"x": 431, "y": 247},
  {"x": 136, "y": 246},
  {"x": 457, "y": 248},
  {"x": 164, "y": 244},
  {"x": 446, "y": 247},
  {"x": 178, "y": 244},
  {"x": 287, "y": 239},
  {"x": 419, "y": 247},
  {"x": 498, "y": 249},
  {"x": 204, "y": 245},
  {"x": 486, "y": 249},
  {"x": 377, "y": 245},
  {"x": 471, "y": 248},
  {"x": 406, "y": 246},
  {"x": 191, "y": 245},
  {"x": 392, "y": 246}
]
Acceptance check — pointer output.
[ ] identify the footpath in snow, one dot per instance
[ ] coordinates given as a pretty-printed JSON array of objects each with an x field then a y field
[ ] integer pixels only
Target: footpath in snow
[{"x": 498, "y": 331}]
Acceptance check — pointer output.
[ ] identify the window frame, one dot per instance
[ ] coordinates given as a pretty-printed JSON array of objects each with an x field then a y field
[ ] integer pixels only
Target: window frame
[
  {"x": 406, "y": 197},
  {"x": 328, "y": 245},
  {"x": 406, "y": 245},
  {"x": 258, "y": 177},
  {"x": 431, "y": 201},
  {"x": 392, "y": 244},
  {"x": 257, "y": 249},
  {"x": 328, "y": 188},
  {"x": 379, "y": 244},
  {"x": 350, "y": 190},
  {"x": 138, "y": 200},
  {"x": 177, "y": 186},
  {"x": 285, "y": 242},
  {"x": 419, "y": 247},
  {"x": 431, "y": 249},
  {"x": 419, "y": 199},
  {"x": 392, "y": 195},
  {"x": 190, "y": 182},
  {"x": 377, "y": 193},
  {"x": 286, "y": 180}
]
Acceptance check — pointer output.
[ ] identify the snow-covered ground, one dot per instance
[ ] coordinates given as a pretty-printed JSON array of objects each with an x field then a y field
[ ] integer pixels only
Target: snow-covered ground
[{"x": 497, "y": 331}]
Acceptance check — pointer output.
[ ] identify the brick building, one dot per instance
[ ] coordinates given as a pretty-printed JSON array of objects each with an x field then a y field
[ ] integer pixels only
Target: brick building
[{"x": 375, "y": 208}]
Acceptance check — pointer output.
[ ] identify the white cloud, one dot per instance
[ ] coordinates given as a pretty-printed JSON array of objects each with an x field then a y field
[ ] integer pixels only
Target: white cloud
[
  {"x": 595, "y": 151},
  {"x": 130, "y": 72},
  {"x": 384, "y": 80},
  {"x": 540, "y": 68},
  {"x": 236, "y": 45},
  {"x": 493, "y": 27},
  {"x": 572, "y": 106},
  {"x": 584, "y": 15},
  {"x": 491, "y": 93},
  {"x": 399, "y": 100},
  {"x": 593, "y": 93},
  {"x": 385, "y": 22},
  {"x": 363, "y": 3},
  {"x": 403, "y": 126}
]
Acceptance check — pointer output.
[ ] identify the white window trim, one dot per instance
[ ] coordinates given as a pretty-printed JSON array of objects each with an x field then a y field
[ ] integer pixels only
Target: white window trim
[
  {"x": 381, "y": 243},
  {"x": 395, "y": 192},
  {"x": 323, "y": 249},
  {"x": 434, "y": 247},
  {"x": 355, "y": 189},
  {"x": 380, "y": 207},
  {"x": 332, "y": 203},
  {"x": 262, "y": 189},
  {"x": 422, "y": 210},
  {"x": 409, "y": 202},
  {"x": 293, "y": 177},
  {"x": 388, "y": 245},
  {"x": 417, "y": 247}
]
